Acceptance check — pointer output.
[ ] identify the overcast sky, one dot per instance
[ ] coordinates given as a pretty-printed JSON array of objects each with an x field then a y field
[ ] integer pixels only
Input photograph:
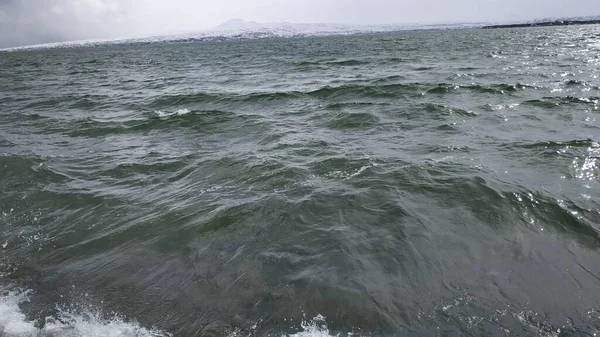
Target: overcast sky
[{"x": 39, "y": 21}]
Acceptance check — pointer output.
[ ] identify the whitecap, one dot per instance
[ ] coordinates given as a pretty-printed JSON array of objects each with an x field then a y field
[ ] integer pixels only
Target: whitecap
[
  {"x": 14, "y": 323},
  {"x": 182, "y": 112},
  {"x": 316, "y": 327},
  {"x": 179, "y": 112}
]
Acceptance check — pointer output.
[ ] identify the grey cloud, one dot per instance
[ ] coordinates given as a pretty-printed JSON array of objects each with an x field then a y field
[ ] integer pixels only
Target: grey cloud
[{"x": 38, "y": 21}]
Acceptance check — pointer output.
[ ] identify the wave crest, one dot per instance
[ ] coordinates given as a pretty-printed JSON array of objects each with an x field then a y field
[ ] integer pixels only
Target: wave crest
[{"x": 14, "y": 323}]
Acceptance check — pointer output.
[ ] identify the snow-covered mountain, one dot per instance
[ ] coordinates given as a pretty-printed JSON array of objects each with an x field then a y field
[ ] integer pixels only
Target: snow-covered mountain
[{"x": 241, "y": 29}]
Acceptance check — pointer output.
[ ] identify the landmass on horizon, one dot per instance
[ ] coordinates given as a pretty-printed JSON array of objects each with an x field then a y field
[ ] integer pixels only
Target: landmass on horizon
[
  {"x": 239, "y": 29},
  {"x": 240, "y": 24},
  {"x": 550, "y": 22}
]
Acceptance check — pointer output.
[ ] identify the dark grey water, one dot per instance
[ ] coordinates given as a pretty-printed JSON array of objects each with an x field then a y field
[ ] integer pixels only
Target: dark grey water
[{"x": 439, "y": 183}]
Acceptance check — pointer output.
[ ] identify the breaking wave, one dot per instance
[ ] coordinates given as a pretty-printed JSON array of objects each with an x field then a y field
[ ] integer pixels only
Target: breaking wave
[{"x": 14, "y": 323}]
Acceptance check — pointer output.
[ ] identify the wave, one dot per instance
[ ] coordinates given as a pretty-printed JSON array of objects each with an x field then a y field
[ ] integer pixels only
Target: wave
[
  {"x": 555, "y": 145},
  {"x": 132, "y": 170},
  {"x": 327, "y": 92},
  {"x": 14, "y": 323},
  {"x": 86, "y": 323},
  {"x": 572, "y": 150},
  {"x": 424, "y": 68},
  {"x": 449, "y": 128},
  {"x": 6, "y": 143},
  {"x": 69, "y": 102},
  {"x": 307, "y": 63},
  {"x": 372, "y": 91},
  {"x": 316, "y": 327},
  {"x": 553, "y": 102},
  {"x": 341, "y": 105},
  {"x": 179, "y": 112},
  {"x": 447, "y": 110},
  {"x": 182, "y": 99},
  {"x": 497, "y": 107},
  {"x": 189, "y": 116},
  {"x": 576, "y": 83},
  {"x": 266, "y": 97},
  {"x": 496, "y": 89},
  {"x": 200, "y": 120},
  {"x": 341, "y": 63},
  {"x": 223, "y": 98},
  {"x": 388, "y": 79},
  {"x": 341, "y": 168},
  {"x": 344, "y": 120},
  {"x": 347, "y": 63},
  {"x": 15, "y": 165},
  {"x": 393, "y": 60},
  {"x": 377, "y": 89}
]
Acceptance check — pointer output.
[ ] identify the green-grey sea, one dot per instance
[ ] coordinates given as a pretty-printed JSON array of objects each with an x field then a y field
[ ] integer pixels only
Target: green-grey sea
[{"x": 424, "y": 183}]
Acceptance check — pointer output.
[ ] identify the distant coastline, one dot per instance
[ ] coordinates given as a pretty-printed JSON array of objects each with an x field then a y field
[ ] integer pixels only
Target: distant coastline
[{"x": 546, "y": 24}]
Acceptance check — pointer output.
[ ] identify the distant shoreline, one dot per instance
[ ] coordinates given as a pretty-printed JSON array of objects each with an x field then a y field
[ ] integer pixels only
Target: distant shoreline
[{"x": 546, "y": 24}]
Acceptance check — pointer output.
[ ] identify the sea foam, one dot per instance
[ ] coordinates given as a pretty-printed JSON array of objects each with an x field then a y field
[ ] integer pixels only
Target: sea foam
[
  {"x": 14, "y": 323},
  {"x": 179, "y": 112}
]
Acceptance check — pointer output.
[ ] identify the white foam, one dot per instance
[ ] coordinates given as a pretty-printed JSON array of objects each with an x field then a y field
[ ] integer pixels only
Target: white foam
[
  {"x": 161, "y": 113},
  {"x": 179, "y": 112},
  {"x": 349, "y": 175},
  {"x": 316, "y": 327},
  {"x": 14, "y": 323},
  {"x": 183, "y": 111}
]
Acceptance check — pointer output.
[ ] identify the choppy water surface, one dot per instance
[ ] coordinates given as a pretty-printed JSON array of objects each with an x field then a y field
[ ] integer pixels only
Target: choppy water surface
[{"x": 438, "y": 183}]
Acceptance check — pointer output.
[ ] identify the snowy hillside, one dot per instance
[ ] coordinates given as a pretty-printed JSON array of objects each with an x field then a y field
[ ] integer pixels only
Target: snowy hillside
[
  {"x": 285, "y": 29},
  {"x": 240, "y": 29}
]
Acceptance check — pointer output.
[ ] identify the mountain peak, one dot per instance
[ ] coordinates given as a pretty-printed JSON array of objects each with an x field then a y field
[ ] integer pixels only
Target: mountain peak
[{"x": 234, "y": 24}]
